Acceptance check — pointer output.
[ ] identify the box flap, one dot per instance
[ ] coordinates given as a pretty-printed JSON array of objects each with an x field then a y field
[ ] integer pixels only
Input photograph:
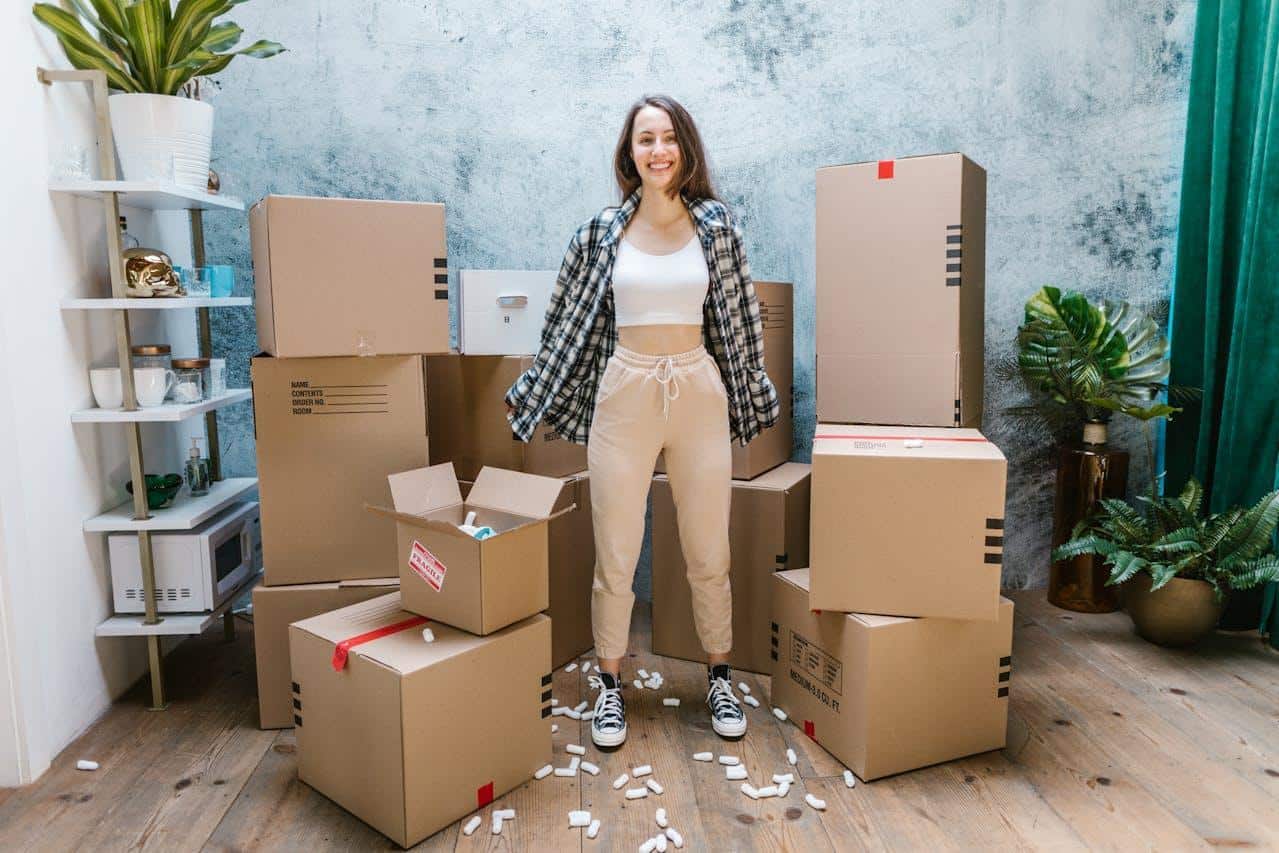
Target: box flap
[
  {"x": 529, "y": 495},
  {"x": 369, "y": 582},
  {"x": 404, "y": 651},
  {"x": 900, "y": 441},
  {"x": 425, "y": 489}
]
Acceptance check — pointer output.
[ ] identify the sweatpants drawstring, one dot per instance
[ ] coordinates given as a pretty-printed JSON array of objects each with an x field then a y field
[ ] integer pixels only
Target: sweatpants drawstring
[{"x": 664, "y": 373}]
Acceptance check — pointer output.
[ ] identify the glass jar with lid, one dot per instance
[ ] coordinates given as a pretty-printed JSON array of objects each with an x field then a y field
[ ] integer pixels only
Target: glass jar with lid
[
  {"x": 191, "y": 379},
  {"x": 152, "y": 355}
]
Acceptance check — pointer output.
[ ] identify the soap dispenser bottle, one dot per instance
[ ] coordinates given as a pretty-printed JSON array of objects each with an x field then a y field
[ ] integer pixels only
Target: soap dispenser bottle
[{"x": 197, "y": 470}]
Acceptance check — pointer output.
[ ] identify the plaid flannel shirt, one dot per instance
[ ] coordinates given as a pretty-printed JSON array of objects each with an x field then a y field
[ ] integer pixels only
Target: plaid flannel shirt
[{"x": 579, "y": 333}]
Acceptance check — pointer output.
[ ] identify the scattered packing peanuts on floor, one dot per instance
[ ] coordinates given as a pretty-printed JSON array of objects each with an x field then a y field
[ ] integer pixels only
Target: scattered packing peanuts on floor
[
  {"x": 670, "y": 702},
  {"x": 703, "y": 756},
  {"x": 642, "y": 770},
  {"x": 648, "y": 846},
  {"x": 471, "y": 825},
  {"x": 557, "y": 711},
  {"x": 783, "y": 789},
  {"x": 571, "y": 667},
  {"x": 654, "y": 786},
  {"x": 741, "y": 685},
  {"x": 86, "y": 764},
  {"x": 749, "y": 790},
  {"x": 575, "y": 749},
  {"x": 554, "y": 728},
  {"x": 767, "y": 791},
  {"x": 642, "y": 673},
  {"x": 849, "y": 779},
  {"x": 636, "y": 793},
  {"x": 594, "y": 829},
  {"x": 675, "y": 837},
  {"x": 572, "y": 715},
  {"x": 660, "y": 841},
  {"x": 620, "y": 781},
  {"x": 779, "y": 714},
  {"x": 735, "y": 773},
  {"x": 751, "y": 700},
  {"x": 497, "y": 824},
  {"x": 590, "y": 768},
  {"x": 791, "y": 758},
  {"x": 820, "y": 805},
  {"x": 660, "y": 817},
  {"x": 543, "y": 772},
  {"x": 653, "y": 683},
  {"x": 588, "y": 715},
  {"x": 566, "y": 771},
  {"x": 639, "y": 685},
  {"x": 579, "y": 818},
  {"x": 554, "y": 702},
  {"x": 581, "y": 706},
  {"x": 728, "y": 760},
  {"x": 779, "y": 778},
  {"x": 428, "y": 635},
  {"x": 574, "y": 762},
  {"x": 506, "y": 814}
]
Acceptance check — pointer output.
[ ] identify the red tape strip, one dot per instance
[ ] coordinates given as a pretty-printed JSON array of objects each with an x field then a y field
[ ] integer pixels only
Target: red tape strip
[
  {"x": 810, "y": 730},
  {"x": 483, "y": 795},
  {"x": 903, "y": 438},
  {"x": 342, "y": 649},
  {"x": 885, "y": 170}
]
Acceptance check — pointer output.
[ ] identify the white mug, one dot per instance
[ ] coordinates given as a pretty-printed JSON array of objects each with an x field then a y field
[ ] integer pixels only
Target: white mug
[
  {"x": 108, "y": 393},
  {"x": 152, "y": 385}
]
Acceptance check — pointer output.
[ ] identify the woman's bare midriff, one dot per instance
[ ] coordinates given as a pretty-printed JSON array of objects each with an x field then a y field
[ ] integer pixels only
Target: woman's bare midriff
[{"x": 668, "y": 339}]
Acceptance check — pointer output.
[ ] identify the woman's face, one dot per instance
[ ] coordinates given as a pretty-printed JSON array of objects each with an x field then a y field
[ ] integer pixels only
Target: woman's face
[{"x": 654, "y": 148}]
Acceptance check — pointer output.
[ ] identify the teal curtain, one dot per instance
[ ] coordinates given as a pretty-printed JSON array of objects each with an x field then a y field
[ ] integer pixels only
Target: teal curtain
[{"x": 1225, "y": 316}]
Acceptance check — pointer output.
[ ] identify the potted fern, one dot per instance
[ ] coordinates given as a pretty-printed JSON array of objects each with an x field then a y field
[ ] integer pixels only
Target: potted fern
[
  {"x": 1084, "y": 363},
  {"x": 154, "y": 55},
  {"x": 1176, "y": 565}
]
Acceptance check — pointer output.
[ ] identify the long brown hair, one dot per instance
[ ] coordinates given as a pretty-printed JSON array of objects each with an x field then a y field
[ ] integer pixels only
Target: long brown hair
[{"x": 693, "y": 179}]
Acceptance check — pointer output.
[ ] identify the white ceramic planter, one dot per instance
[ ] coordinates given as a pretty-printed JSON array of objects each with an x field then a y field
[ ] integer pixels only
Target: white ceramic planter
[{"x": 162, "y": 138}]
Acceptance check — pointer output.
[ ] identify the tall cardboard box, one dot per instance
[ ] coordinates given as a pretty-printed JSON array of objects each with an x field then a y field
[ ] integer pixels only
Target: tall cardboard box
[
  {"x": 410, "y": 736},
  {"x": 767, "y": 532},
  {"x": 570, "y": 543},
  {"x": 478, "y": 585},
  {"x": 907, "y": 521},
  {"x": 771, "y": 447},
  {"x": 329, "y": 431},
  {"x": 340, "y": 276},
  {"x": 901, "y": 259},
  {"x": 500, "y": 312},
  {"x": 469, "y": 426},
  {"x": 274, "y": 609},
  {"x": 885, "y": 694}
]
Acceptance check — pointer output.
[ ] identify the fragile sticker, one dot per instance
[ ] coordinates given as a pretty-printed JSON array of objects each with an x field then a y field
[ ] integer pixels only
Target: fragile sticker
[{"x": 425, "y": 565}]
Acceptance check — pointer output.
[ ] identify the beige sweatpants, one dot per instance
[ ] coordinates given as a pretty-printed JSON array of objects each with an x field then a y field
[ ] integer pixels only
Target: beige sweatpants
[{"x": 647, "y": 404}]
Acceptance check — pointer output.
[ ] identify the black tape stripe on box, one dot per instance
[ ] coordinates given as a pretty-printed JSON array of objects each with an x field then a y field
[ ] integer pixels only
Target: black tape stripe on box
[
  {"x": 994, "y": 541},
  {"x": 441, "y": 263},
  {"x": 952, "y": 281},
  {"x": 954, "y": 253},
  {"x": 1004, "y": 676},
  {"x": 994, "y": 524},
  {"x": 546, "y": 711},
  {"x": 441, "y": 294},
  {"x": 1006, "y": 660},
  {"x": 546, "y": 679},
  {"x": 773, "y": 655},
  {"x": 1003, "y": 691},
  {"x": 954, "y": 238},
  {"x": 996, "y": 559},
  {"x": 297, "y": 688},
  {"x": 297, "y": 704},
  {"x": 781, "y": 558},
  {"x": 953, "y": 227},
  {"x": 297, "y": 719},
  {"x": 773, "y": 640},
  {"x": 953, "y": 268},
  {"x": 546, "y": 697},
  {"x": 774, "y": 624},
  {"x": 442, "y": 278}
]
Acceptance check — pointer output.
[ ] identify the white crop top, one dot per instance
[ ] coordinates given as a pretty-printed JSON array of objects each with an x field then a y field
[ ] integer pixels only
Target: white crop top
[{"x": 660, "y": 289}]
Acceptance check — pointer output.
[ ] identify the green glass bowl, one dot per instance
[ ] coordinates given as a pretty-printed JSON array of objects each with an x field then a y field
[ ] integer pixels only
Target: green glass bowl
[{"x": 160, "y": 489}]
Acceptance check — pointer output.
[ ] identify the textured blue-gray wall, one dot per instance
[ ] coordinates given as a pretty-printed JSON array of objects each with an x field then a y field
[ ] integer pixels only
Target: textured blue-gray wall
[{"x": 508, "y": 112}]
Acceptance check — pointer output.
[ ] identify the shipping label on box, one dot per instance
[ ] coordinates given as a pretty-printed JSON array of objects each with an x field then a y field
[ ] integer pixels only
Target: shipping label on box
[
  {"x": 906, "y": 521},
  {"x": 901, "y": 291},
  {"x": 886, "y": 694},
  {"x": 401, "y": 732}
]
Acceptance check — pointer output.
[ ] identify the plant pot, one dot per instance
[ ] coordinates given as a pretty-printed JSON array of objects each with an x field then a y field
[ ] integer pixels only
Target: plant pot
[
  {"x": 1177, "y": 614},
  {"x": 1086, "y": 472},
  {"x": 162, "y": 138}
]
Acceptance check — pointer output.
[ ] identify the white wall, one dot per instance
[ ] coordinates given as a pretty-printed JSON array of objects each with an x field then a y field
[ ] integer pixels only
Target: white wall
[{"x": 56, "y": 678}]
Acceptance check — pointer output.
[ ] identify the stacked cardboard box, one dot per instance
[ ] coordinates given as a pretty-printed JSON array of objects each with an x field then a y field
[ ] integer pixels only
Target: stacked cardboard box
[
  {"x": 893, "y": 649},
  {"x": 768, "y": 525}
]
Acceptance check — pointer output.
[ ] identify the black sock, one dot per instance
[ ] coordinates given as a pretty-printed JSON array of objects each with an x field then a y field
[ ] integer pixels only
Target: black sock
[
  {"x": 720, "y": 670},
  {"x": 610, "y": 680}
]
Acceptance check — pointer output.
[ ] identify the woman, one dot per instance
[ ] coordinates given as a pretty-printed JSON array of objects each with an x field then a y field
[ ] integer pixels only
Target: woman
[{"x": 652, "y": 342}]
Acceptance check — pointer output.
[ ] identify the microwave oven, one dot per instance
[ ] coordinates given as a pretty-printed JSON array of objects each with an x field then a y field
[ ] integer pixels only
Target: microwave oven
[{"x": 195, "y": 570}]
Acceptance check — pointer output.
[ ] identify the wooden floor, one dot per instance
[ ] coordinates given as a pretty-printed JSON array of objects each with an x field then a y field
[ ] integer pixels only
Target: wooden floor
[{"x": 1113, "y": 743}]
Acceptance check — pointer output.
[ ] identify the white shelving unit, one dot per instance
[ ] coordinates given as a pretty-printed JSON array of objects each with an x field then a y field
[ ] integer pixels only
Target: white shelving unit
[
  {"x": 157, "y": 303},
  {"x": 173, "y": 624},
  {"x": 185, "y": 513},
  {"x": 134, "y": 516},
  {"x": 149, "y": 195},
  {"x": 168, "y": 413}
]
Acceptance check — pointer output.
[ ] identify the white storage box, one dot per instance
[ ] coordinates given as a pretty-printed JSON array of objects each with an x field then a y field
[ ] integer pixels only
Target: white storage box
[{"x": 501, "y": 311}]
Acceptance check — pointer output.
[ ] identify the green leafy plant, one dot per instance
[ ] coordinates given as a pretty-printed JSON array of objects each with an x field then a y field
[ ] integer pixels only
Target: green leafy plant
[
  {"x": 149, "y": 46},
  {"x": 1089, "y": 361},
  {"x": 1171, "y": 537}
]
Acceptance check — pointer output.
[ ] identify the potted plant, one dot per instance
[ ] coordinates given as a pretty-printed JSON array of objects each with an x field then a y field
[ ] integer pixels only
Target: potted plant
[
  {"x": 1177, "y": 565},
  {"x": 1083, "y": 363},
  {"x": 151, "y": 53}
]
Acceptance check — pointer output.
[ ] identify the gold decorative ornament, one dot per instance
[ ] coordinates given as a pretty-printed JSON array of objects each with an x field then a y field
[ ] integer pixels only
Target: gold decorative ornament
[
  {"x": 215, "y": 183},
  {"x": 149, "y": 272}
]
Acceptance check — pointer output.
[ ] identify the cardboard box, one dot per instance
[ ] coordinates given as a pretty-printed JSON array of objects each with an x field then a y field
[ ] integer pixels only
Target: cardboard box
[
  {"x": 329, "y": 431},
  {"x": 410, "y": 736},
  {"x": 767, "y": 531},
  {"x": 907, "y": 521},
  {"x": 339, "y": 276},
  {"x": 771, "y": 447},
  {"x": 469, "y": 426},
  {"x": 274, "y": 609},
  {"x": 500, "y": 312},
  {"x": 884, "y": 694},
  {"x": 478, "y": 585},
  {"x": 571, "y": 566},
  {"x": 901, "y": 258}
]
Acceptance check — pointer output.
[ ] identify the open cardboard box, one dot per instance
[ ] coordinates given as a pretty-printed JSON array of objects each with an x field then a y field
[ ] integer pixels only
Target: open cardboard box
[{"x": 478, "y": 585}]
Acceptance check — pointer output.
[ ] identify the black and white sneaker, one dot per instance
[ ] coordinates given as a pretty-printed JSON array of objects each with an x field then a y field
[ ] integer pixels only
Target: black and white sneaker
[
  {"x": 727, "y": 717},
  {"x": 608, "y": 724}
]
